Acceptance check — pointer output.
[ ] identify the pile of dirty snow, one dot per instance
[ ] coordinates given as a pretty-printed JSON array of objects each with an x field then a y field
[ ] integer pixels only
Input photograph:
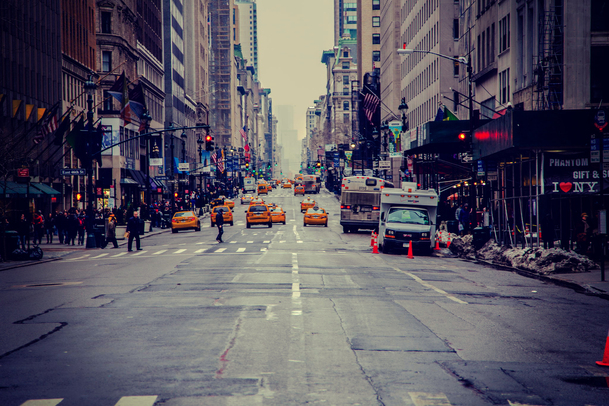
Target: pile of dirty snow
[{"x": 538, "y": 260}]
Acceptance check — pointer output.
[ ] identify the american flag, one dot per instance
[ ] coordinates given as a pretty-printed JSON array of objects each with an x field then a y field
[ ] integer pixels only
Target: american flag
[
  {"x": 371, "y": 103},
  {"x": 48, "y": 126},
  {"x": 217, "y": 161},
  {"x": 220, "y": 164},
  {"x": 243, "y": 133}
]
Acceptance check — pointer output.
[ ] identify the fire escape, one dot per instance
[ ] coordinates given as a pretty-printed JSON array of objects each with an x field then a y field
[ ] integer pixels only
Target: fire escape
[
  {"x": 549, "y": 66},
  {"x": 220, "y": 72}
]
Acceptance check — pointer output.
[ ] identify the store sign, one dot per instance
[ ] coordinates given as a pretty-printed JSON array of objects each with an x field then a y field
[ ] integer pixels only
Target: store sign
[
  {"x": 156, "y": 161},
  {"x": 183, "y": 166},
  {"x": 571, "y": 174}
]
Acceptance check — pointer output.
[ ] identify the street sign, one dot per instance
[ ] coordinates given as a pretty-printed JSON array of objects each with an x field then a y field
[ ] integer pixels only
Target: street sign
[
  {"x": 73, "y": 172},
  {"x": 23, "y": 172},
  {"x": 384, "y": 165},
  {"x": 183, "y": 166},
  {"x": 172, "y": 181},
  {"x": 161, "y": 177},
  {"x": 184, "y": 181}
]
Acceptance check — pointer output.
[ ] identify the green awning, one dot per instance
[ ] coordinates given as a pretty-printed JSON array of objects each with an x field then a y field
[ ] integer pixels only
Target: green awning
[{"x": 46, "y": 189}]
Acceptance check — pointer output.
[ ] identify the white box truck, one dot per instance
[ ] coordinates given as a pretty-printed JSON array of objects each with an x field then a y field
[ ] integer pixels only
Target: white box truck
[
  {"x": 249, "y": 185},
  {"x": 408, "y": 216}
]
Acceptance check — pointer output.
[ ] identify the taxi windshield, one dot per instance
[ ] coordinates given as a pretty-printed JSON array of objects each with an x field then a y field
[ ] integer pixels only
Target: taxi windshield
[
  {"x": 408, "y": 216},
  {"x": 258, "y": 208},
  {"x": 184, "y": 214},
  {"x": 316, "y": 211},
  {"x": 217, "y": 209}
]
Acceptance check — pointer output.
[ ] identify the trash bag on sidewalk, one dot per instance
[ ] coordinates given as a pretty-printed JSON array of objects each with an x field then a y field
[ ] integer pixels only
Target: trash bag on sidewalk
[
  {"x": 19, "y": 255},
  {"x": 35, "y": 253}
]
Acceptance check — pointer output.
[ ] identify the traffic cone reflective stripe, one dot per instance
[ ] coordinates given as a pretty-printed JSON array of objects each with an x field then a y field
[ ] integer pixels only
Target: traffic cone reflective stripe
[
  {"x": 375, "y": 247},
  {"x": 605, "y": 361},
  {"x": 372, "y": 237},
  {"x": 448, "y": 241},
  {"x": 410, "y": 250}
]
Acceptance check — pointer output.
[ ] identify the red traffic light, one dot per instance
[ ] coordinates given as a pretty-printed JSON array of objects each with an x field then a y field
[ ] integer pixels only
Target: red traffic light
[
  {"x": 208, "y": 138},
  {"x": 78, "y": 196},
  {"x": 462, "y": 136}
]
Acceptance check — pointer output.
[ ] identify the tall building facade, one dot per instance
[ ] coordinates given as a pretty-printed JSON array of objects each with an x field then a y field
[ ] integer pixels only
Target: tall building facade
[
  {"x": 345, "y": 19},
  {"x": 368, "y": 37},
  {"x": 248, "y": 32}
]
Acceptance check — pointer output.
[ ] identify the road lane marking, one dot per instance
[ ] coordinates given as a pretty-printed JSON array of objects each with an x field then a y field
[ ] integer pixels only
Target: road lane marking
[
  {"x": 299, "y": 242},
  {"x": 119, "y": 255},
  {"x": 266, "y": 242},
  {"x": 159, "y": 252},
  {"x": 250, "y": 242},
  {"x": 42, "y": 402},
  {"x": 200, "y": 251},
  {"x": 99, "y": 256},
  {"x": 233, "y": 242},
  {"x": 136, "y": 401},
  {"x": 240, "y": 249},
  {"x": 139, "y": 253},
  {"x": 220, "y": 250},
  {"x": 180, "y": 251},
  {"x": 83, "y": 257},
  {"x": 430, "y": 286},
  {"x": 429, "y": 399}
]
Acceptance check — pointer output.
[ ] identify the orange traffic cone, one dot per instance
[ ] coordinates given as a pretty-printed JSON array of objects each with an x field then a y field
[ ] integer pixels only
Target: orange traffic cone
[
  {"x": 410, "y": 250},
  {"x": 437, "y": 245},
  {"x": 372, "y": 238},
  {"x": 448, "y": 241},
  {"x": 605, "y": 361},
  {"x": 375, "y": 247}
]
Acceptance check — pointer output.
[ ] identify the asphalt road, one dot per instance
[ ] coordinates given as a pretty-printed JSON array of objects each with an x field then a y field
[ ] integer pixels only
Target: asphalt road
[{"x": 292, "y": 315}]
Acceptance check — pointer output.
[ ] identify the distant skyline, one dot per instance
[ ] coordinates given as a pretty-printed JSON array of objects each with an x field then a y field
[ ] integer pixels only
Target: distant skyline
[{"x": 291, "y": 38}]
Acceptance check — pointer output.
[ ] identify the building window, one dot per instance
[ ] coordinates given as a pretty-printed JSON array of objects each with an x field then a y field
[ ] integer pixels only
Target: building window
[
  {"x": 345, "y": 91},
  {"x": 346, "y": 65},
  {"x": 346, "y": 105},
  {"x": 345, "y": 79},
  {"x": 108, "y": 105},
  {"x": 376, "y": 4},
  {"x": 504, "y": 33},
  {"x": 346, "y": 118},
  {"x": 106, "y": 22},
  {"x": 376, "y": 38},
  {"x": 456, "y": 66},
  {"x": 376, "y": 21},
  {"x": 106, "y": 61},
  {"x": 504, "y": 82},
  {"x": 350, "y": 7},
  {"x": 376, "y": 56},
  {"x": 351, "y": 20},
  {"x": 345, "y": 54}
]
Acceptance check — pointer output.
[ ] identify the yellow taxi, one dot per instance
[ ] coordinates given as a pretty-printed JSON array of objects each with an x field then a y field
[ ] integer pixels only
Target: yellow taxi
[
  {"x": 258, "y": 214},
  {"x": 286, "y": 185},
  {"x": 316, "y": 216},
  {"x": 246, "y": 199},
  {"x": 227, "y": 214},
  {"x": 256, "y": 200},
  {"x": 185, "y": 220},
  {"x": 299, "y": 190},
  {"x": 277, "y": 215},
  {"x": 230, "y": 203},
  {"x": 263, "y": 189},
  {"x": 306, "y": 204},
  {"x": 218, "y": 201}
]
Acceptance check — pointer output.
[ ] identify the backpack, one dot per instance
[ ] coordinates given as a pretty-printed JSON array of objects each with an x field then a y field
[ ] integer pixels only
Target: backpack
[{"x": 81, "y": 222}]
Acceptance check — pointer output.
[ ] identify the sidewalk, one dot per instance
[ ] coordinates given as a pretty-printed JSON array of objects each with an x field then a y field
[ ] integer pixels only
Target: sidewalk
[
  {"x": 590, "y": 282},
  {"x": 56, "y": 251}
]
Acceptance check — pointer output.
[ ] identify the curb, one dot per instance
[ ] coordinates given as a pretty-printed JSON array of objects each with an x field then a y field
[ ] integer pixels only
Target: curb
[{"x": 28, "y": 263}]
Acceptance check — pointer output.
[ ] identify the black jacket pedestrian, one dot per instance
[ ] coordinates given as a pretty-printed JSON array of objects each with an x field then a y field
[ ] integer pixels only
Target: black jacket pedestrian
[
  {"x": 219, "y": 218},
  {"x": 133, "y": 226}
]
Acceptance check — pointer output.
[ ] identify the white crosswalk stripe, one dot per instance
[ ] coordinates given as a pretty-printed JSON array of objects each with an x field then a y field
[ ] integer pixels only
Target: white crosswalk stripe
[
  {"x": 220, "y": 250},
  {"x": 240, "y": 249},
  {"x": 200, "y": 251},
  {"x": 42, "y": 402},
  {"x": 139, "y": 253},
  {"x": 159, "y": 252},
  {"x": 179, "y": 251},
  {"x": 99, "y": 256},
  {"x": 136, "y": 401},
  {"x": 119, "y": 255}
]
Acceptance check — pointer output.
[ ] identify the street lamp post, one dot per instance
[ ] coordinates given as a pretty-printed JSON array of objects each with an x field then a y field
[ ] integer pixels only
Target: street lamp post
[
  {"x": 170, "y": 133},
  {"x": 90, "y": 88},
  {"x": 465, "y": 61},
  {"x": 146, "y": 118}
]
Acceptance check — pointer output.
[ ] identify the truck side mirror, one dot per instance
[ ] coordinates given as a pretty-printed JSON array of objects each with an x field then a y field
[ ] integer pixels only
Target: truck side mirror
[{"x": 383, "y": 216}]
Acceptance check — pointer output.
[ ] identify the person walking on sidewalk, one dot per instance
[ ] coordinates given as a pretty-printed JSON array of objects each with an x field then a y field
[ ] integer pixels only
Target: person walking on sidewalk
[
  {"x": 23, "y": 230},
  {"x": 133, "y": 227},
  {"x": 220, "y": 224},
  {"x": 111, "y": 231},
  {"x": 49, "y": 226},
  {"x": 38, "y": 224}
]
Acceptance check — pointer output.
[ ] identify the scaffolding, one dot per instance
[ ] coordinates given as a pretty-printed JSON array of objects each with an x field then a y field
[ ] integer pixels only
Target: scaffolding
[
  {"x": 548, "y": 68},
  {"x": 220, "y": 70}
]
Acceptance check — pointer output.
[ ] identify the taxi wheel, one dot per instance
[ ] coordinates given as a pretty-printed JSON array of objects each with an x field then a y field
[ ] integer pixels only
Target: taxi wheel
[
  {"x": 326, "y": 225},
  {"x": 211, "y": 224},
  {"x": 174, "y": 231},
  {"x": 270, "y": 224},
  {"x": 198, "y": 228},
  {"x": 304, "y": 224},
  {"x": 247, "y": 225},
  {"x": 231, "y": 223},
  {"x": 284, "y": 222}
]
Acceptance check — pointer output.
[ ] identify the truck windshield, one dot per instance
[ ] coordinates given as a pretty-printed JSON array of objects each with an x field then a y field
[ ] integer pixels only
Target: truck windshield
[{"x": 407, "y": 216}]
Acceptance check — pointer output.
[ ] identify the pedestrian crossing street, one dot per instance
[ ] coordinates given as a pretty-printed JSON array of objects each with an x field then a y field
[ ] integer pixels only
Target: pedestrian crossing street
[
  {"x": 226, "y": 247},
  {"x": 416, "y": 398}
]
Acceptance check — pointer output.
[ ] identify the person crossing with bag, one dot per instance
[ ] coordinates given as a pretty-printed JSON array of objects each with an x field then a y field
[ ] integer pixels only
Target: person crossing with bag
[
  {"x": 220, "y": 225},
  {"x": 133, "y": 228}
]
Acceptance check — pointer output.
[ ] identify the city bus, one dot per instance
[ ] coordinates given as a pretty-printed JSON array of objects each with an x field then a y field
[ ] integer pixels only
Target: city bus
[
  {"x": 311, "y": 183},
  {"x": 360, "y": 202}
]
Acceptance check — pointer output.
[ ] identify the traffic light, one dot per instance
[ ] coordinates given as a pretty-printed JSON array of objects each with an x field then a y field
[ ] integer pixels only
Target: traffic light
[
  {"x": 318, "y": 164},
  {"x": 209, "y": 143},
  {"x": 464, "y": 136},
  {"x": 175, "y": 194},
  {"x": 78, "y": 196}
]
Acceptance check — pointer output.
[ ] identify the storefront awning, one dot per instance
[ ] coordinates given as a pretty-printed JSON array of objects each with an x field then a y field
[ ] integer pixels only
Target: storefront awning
[
  {"x": 138, "y": 176},
  {"x": 128, "y": 181},
  {"x": 36, "y": 189}
]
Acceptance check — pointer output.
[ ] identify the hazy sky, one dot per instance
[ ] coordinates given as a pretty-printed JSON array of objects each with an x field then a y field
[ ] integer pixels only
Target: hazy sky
[{"x": 292, "y": 34}]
